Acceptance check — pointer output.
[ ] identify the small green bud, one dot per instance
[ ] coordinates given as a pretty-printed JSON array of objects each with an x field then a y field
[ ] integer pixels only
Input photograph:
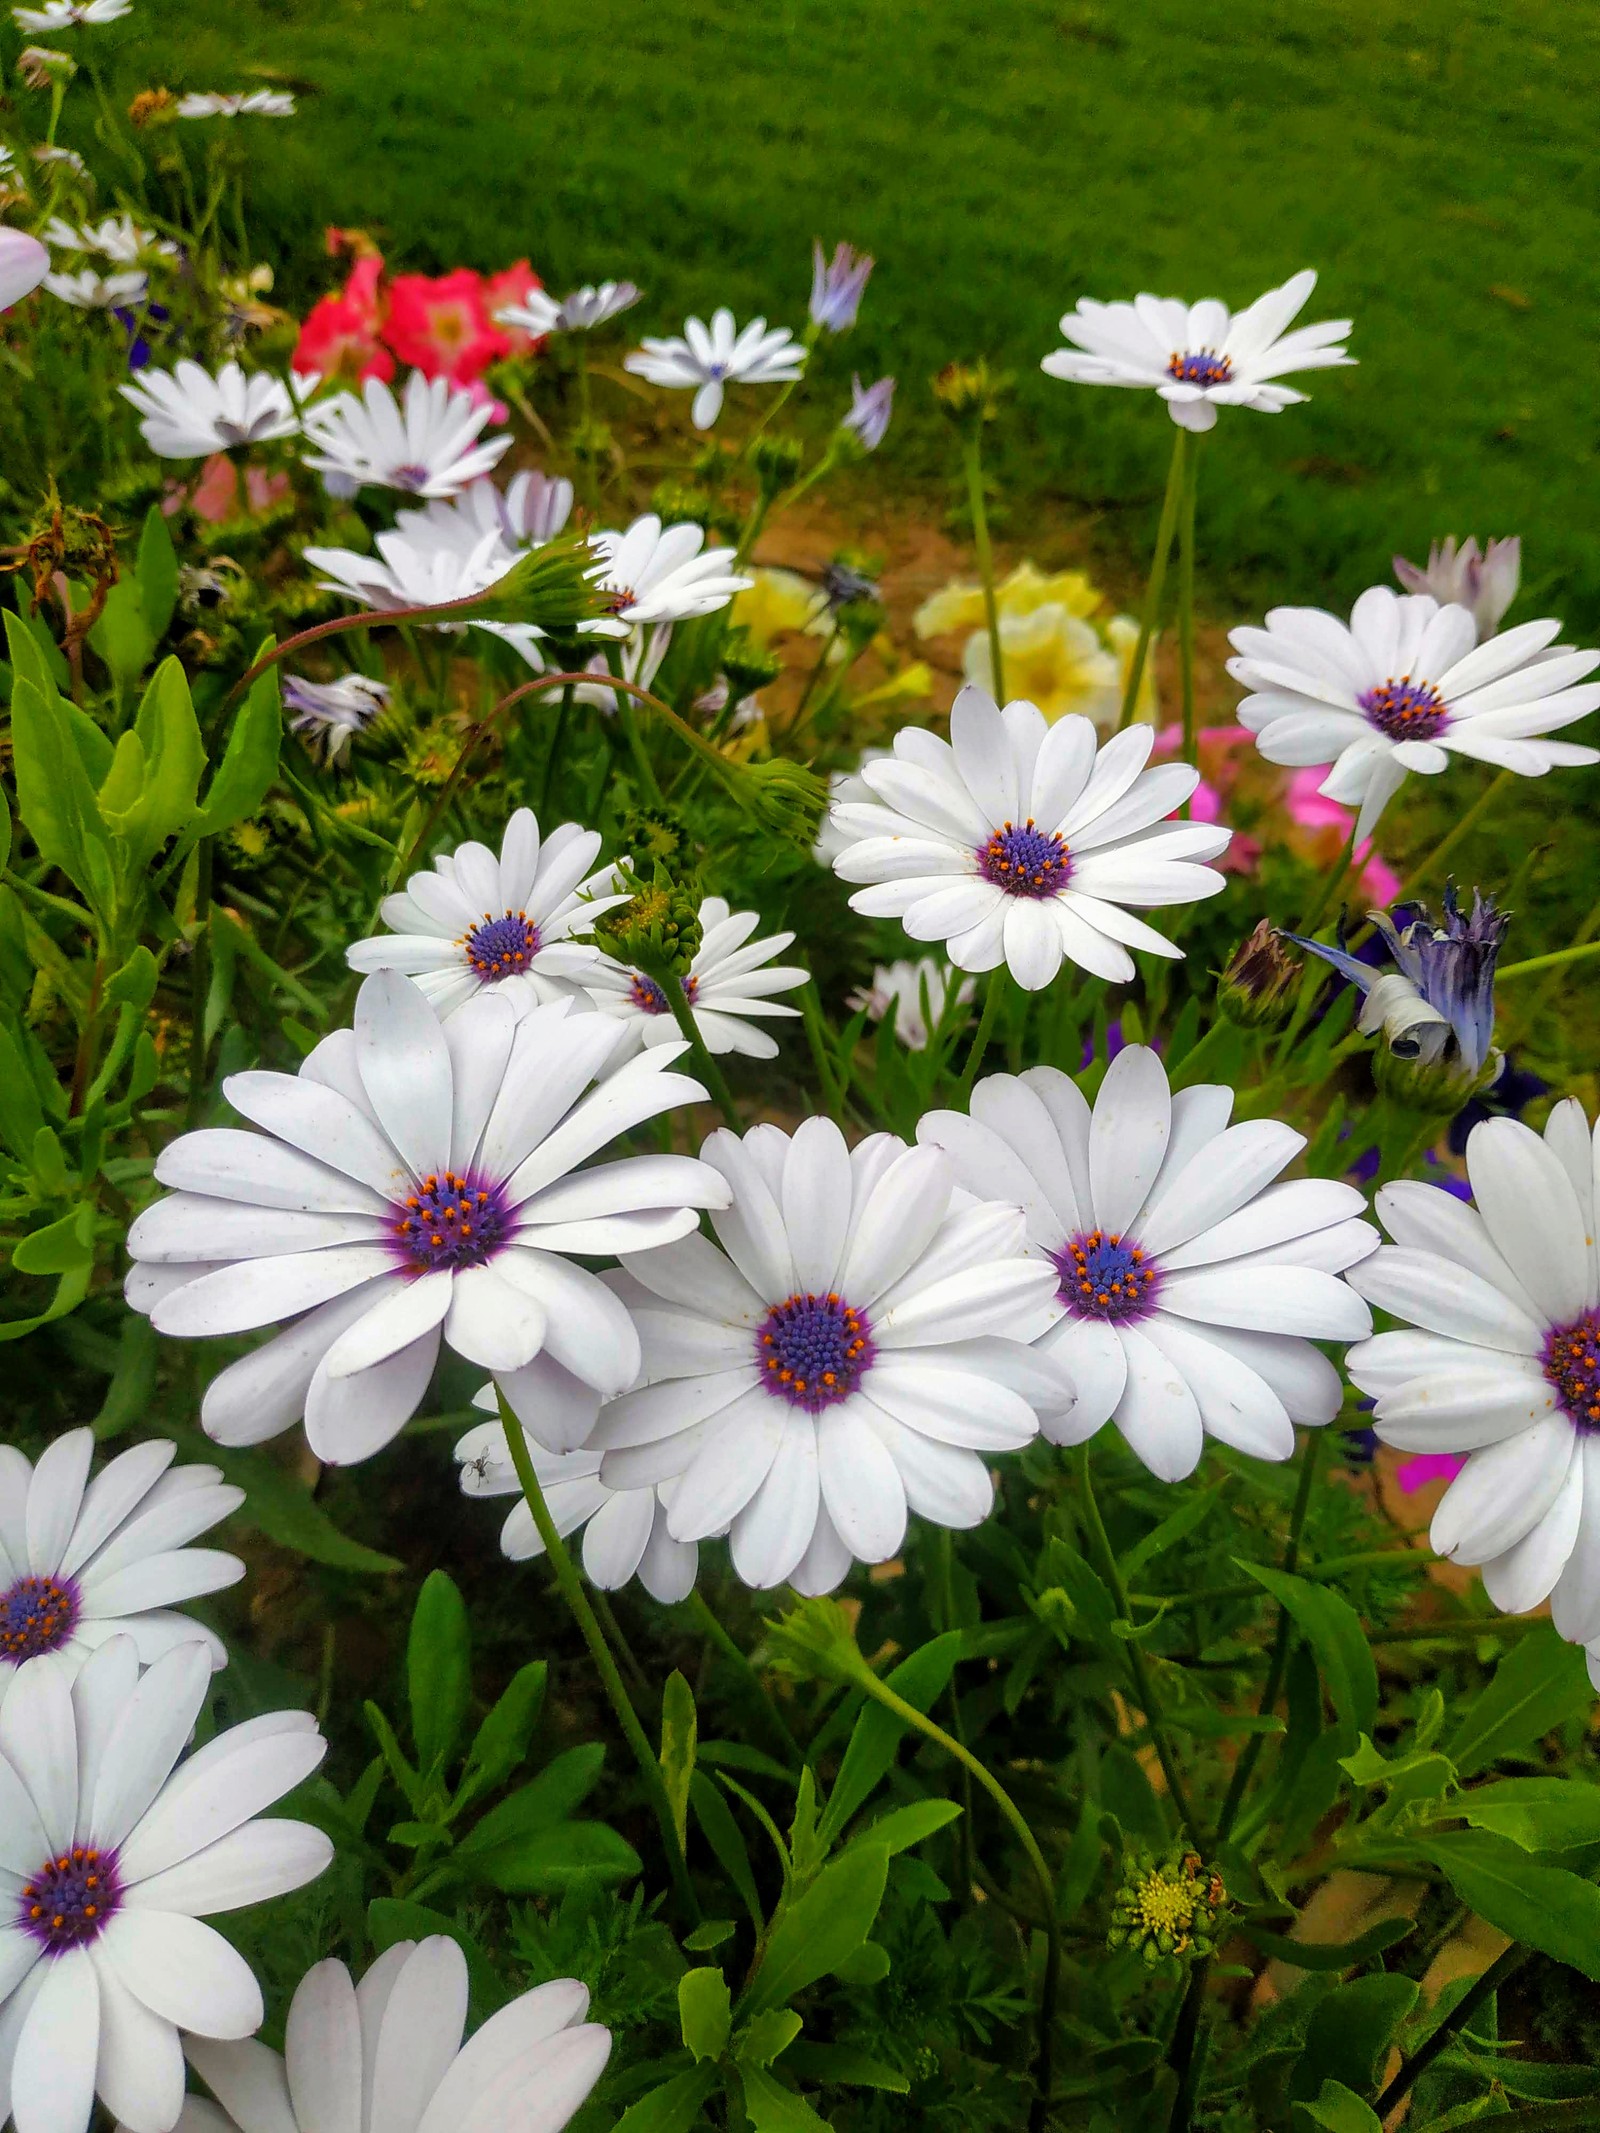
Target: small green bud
[
  {"x": 776, "y": 459},
  {"x": 1168, "y": 1907},
  {"x": 678, "y": 502},
  {"x": 748, "y": 666},
  {"x": 1434, "y": 1088},
  {"x": 656, "y": 837},
  {"x": 783, "y": 796},
  {"x": 39, "y": 66},
  {"x": 970, "y": 393},
  {"x": 1256, "y": 989},
  {"x": 816, "y": 1641},
  {"x": 657, "y": 930}
]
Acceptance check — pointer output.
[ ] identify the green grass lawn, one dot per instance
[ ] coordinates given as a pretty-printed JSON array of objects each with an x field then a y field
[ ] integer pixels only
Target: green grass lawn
[{"x": 1435, "y": 163}]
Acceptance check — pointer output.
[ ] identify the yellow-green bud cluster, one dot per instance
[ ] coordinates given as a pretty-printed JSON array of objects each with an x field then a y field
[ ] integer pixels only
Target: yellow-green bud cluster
[
  {"x": 1167, "y": 1908},
  {"x": 658, "y": 929}
]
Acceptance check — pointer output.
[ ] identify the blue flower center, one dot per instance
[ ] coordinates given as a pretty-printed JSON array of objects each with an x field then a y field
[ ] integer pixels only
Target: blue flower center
[
  {"x": 37, "y": 1615},
  {"x": 648, "y": 997},
  {"x": 502, "y": 947},
  {"x": 1405, "y": 710},
  {"x": 812, "y": 1350},
  {"x": 1025, "y": 860},
  {"x": 68, "y": 1901},
  {"x": 453, "y": 1219},
  {"x": 1572, "y": 1369},
  {"x": 1202, "y": 367},
  {"x": 1106, "y": 1276}
]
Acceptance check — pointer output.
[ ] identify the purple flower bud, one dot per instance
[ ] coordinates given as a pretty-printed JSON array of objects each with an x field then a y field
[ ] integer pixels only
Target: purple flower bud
[
  {"x": 836, "y": 285},
  {"x": 870, "y": 409},
  {"x": 1485, "y": 581}
]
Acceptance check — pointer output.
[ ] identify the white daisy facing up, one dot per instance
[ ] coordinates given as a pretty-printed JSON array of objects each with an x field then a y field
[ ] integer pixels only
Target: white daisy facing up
[
  {"x": 1020, "y": 842},
  {"x": 915, "y": 995},
  {"x": 707, "y": 359},
  {"x": 82, "y": 1560},
  {"x": 427, "y": 441},
  {"x": 88, "y": 291},
  {"x": 387, "y": 2056},
  {"x": 71, "y": 14},
  {"x": 1404, "y": 686},
  {"x": 657, "y": 573},
  {"x": 1499, "y": 1358},
  {"x": 187, "y": 413},
  {"x": 505, "y": 924},
  {"x": 728, "y": 981},
  {"x": 624, "y": 1530},
  {"x": 1189, "y": 1285},
  {"x": 540, "y": 313},
  {"x": 847, "y": 1352},
  {"x": 253, "y": 103},
  {"x": 418, "y": 1182},
  {"x": 112, "y": 1852},
  {"x": 1200, "y": 357}
]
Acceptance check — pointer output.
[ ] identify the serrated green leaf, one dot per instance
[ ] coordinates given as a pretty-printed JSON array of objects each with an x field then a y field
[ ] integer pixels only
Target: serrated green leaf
[
  {"x": 544, "y": 1862},
  {"x": 242, "y": 780},
  {"x": 705, "y": 2012},
  {"x": 1349, "y": 2031},
  {"x": 1332, "y": 1628},
  {"x": 1554, "y": 1814},
  {"x": 843, "y": 2066},
  {"x": 157, "y": 569},
  {"x": 921, "y": 1679},
  {"x": 813, "y": 1933},
  {"x": 672, "y": 2108},
  {"x": 1544, "y": 1906},
  {"x": 55, "y": 798},
  {"x": 772, "y": 2108},
  {"x": 558, "y": 1791},
  {"x": 905, "y": 1826},
  {"x": 767, "y": 2036},
  {"x": 1539, "y": 1684},
  {"x": 501, "y": 1742}
]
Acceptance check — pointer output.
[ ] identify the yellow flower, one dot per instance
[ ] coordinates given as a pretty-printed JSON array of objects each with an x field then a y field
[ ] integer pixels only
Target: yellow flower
[
  {"x": 915, "y": 680},
  {"x": 776, "y": 602},
  {"x": 960, "y": 606},
  {"x": 1122, "y": 634},
  {"x": 1054, "y": 659}
]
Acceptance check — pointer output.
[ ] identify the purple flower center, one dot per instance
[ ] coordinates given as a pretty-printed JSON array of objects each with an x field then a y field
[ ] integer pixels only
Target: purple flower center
[
  {"x": 502, "y": 947},
  {"x": 812, "y": 1350},
  {"x": 454, "y": 1219},
  {"x": 37, "y": 1615},
  {"x": 68, "y": 1901},
  {"x": 1406, "y": 710},
  {"x": 1025, "y": 860},
  {"x": 411, "y": 477},
  {"x": 648, "y": 997},
  {"x": 1105, "y": 1276},
  {"x": 1572, "y": 1369},
  {"x": 1203, "y": 367}
]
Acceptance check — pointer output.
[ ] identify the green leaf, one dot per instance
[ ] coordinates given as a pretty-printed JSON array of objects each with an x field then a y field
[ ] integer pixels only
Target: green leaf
[
  {"x": 712, "y": 1934},
  {"x": 921, "y": 1679},
  {"x": 37, "y": 657},
  {"x": 726, "y": 1840},
  {"x": 123, "y": 636},
  {"x": 1349, "y": 2032},
  {"x": 249, "y": 763},
  {"x": 905, "y": 1826},
  {"x": 868, "y": 1966},
  {"x": 157, "y": 569},
  {"x": 1339, "y": 2110},
  {"x": 1555, "y": 1814},
  {"x": 61, "y": 1247},
  {"x": 133, "y": 1381},
  {"x": 817, "y": 1931},
  {"x": 774, "y": 2109},
  {"x": 1538, "y": 1685},
  {"x": 134, "y": 984},
  {"x": 705, "y": 2012},
  {"x": 21, "y": 1114},
  {"x": 438, "y": 1670},
  {"x": 766, "y": 2037},
  {"x": 1549, "y": 1908},
  {"x": 672, "y": 2108},
  {"x": 545, "y": 1862},
  {"x": 1172, "y": 1529},
  {"x": 175, "y": 755},
  {"x": 394, "y": 1755},
  {"x": 55, "y": 798},
  {"x": 1328, "y": 1954},
  {"x": 277, "y": 1505},
  {"x": 561, "y": 1787},
  {"x": 678, "y": 1734},
  {"x": 501, "y": 1742},
  {"x": 843, "y": 2066},
  {"x": 1332, "y": 1628}
]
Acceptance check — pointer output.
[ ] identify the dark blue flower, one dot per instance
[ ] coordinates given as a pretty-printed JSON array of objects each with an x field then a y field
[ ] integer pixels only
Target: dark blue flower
[{"x": 133, "y": 324}]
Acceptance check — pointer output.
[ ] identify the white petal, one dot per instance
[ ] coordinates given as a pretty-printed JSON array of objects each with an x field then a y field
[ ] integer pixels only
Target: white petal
[
  {"x": 184, "y": 1971},
  {"x": 1525, "y": 1198},
  {"x": 1157, "y": 1413},
  {"x": 861, "y": 1484},
  {"x": 1128, "y": 1136},
  {"x": 1502, "y": 1492},
  {"x": 52, "y": 2077}
]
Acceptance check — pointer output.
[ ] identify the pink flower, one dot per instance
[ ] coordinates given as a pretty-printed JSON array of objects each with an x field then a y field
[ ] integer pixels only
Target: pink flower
[
  {"x": 1414, "y": 1474},
  {"x": 342, "y": 334},
  {"x": 440, "y": 325},
  {"x": 1218, "y": 749},
  {"x": 512, "y": 285},
  {"x": 1307, "y": 807}
]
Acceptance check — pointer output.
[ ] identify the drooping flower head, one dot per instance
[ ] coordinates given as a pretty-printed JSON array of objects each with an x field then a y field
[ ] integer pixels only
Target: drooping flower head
[
  {"x": 253, "y": 103},
  {"x": 870, "y": 409},
  {"x": 417, "y": 1182},
  {"x": 709, "y": 358},
  {"x": 1200, "y": 357},
  {"x": 1189, "y": 1285},
  {"x": 915, "y": 995},
  {"x": 1485, "y": 581},
  {"x": 1021, "y": 842},
  {"x": 837, "y": 285},
  {"x": 429, "y": 442},
  {"x": 188, "y": 413},
  {"x": 536, "y": 312},
  {"x": 1404, "y": 686},
  {"x": 331, "y": 713},
  {"x": 87, "y": 290},
  {"x": 846, "y": 1353},
  {"x": 1498, "y": 1356},
  {"x": 730, "y": 979},
  {"x": 112, "y": 1853},
  {"x": 433, "y": 563}
]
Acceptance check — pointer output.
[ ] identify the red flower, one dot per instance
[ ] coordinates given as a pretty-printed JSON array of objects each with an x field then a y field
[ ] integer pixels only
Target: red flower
[
  {"x": 439, "y": 323},
  {"x": 341, "y": 335},
  {"x": 512, "y": 286}
]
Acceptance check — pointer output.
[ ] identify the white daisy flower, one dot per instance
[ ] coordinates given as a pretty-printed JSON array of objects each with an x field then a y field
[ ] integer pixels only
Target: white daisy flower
[
  {"x": 532, "y": 509},
  {"x": 430, "y": 566},
  {"x": 188, "y": 413},
  {"x": 257, "y": 103},
  {"x": 851, "y": 1353},
  {"x": 1500, "y": 1359},
  {"x": 82, "y": 1560},
  {"x": 50, "y": 157},
  {"x": 657, "y": 573},
  {"x": 1486, "y": 579},
  {"x": 624, "y": 1530},
  {"x": 1404, "y": 687},
  {"x": 386, "y": 2056},
  {"x": 540, "y": 313},
  {"x": 332, "y": 713},
  {"x": 416, "y": 1181},
  {"x": 427, "y": 443},
  {"x": 111, "y": 1854},
  {"x": 503, "y": 924},
  {"x": 728, "y": 981},
  {"x": 914, "y": 994},
  {"x": 1020, "y": 842},
  {"x": 88, "y": 291},
  {"x": 1200, "y": 357},
  {"x": 70, "y": 14},
  {"x": 709, "y": 358},
  {"x": 115, "y": 237},
  {"x": 1189, "y": 1285}
]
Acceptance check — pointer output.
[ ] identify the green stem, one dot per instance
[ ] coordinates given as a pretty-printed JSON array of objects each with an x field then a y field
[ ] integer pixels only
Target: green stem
[
  {"x": 1191, "y": 480},
  {"x": 1505, "y": 1965},
  {"x": 710, "y": 1073},
  {"x": 816, "y": 1037},
  {"x": 1143, "y": 1685},
  {"x": 1312, "y": 980},
  {"x": 594, "y": 1637},
  {"x": 985, "y": 1028},
  {"x": 1158, "y": 577},
  {"x": 553, "y": 759},
  {"x": 1556, "y": 961},
  {"x": 1447, "y": 844},
  {"x": 966, "y": 1856},
  {"x": 908, "y": 1714},
  {"x": 972, "y": 453},
  {"x": 777, "y": 1724}
]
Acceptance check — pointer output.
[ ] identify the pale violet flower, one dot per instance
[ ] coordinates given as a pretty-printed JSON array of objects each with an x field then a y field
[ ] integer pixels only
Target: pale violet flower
[
  {"x": 1188, "y": 1285},
  {"x": 915, "y": 995},
  {"x": 1485, "y": 581},
  {"x": 837, "y": 285},
  {"x": 657, "y": 573},
  {"x": 88, "y": 291},
  {"x": 1200, "y": 357},
  {"x": 1022, "y": 843},
  {"x": 709, "y": 358},
  {"x": 24, "y": 263},
  {"x": 114, "y": 237},
  {"x": 331, "y": 713},
  {"x": 417, "y": 1184},
  {"x": 532, "y": 509},
  {"x": 731, "y": 978},
  {"x": 870, "y": 409},
  {"x": 70, "y": 14},
  {"x": 83, "y": 1560},
  {"x": 115, "y": 1851},
  {"x": 188, "y": 413},
  {"x": 847, "y": 1353},
  {"x": 426, "y": 442},
  {"x": 256, "y": 103},
  {"x": 1404, "y": 686},
  {"x": 540, "y": 313},
  {"x": 389, "y": 2053}
]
